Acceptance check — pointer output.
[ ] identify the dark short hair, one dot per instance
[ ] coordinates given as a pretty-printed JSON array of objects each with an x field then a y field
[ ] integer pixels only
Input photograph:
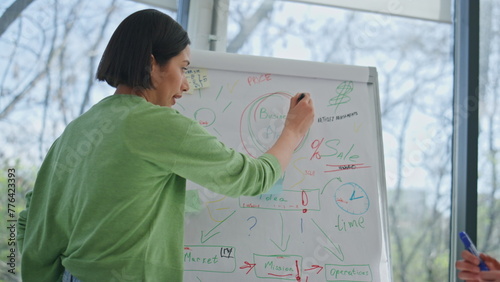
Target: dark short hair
[{"x": 127, "y": 58}]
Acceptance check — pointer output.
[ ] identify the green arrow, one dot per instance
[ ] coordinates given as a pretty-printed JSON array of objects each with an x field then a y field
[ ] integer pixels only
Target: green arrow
[
  {"x": 208, "y": 235},
  {"x": 338, "y": 178},
  {"x": 337, "y": 247},
  {"x": 281, "y": 243}
]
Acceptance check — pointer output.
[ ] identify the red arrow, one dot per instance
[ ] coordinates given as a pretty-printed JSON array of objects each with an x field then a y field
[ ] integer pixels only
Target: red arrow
[
  {"x": 313, "y": 267},
  {"x": 248, "y": 265}
]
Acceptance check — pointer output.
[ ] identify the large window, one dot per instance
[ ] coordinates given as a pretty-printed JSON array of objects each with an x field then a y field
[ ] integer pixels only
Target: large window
[
  {"x": 489, "y": 130},
  {"x": 50, "y": 51},
  {"x": 414, "y": 62}
]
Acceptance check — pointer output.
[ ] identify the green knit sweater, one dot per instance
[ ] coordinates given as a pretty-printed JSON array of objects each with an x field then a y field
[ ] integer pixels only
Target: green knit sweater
[{"x": 108, "y": 202}]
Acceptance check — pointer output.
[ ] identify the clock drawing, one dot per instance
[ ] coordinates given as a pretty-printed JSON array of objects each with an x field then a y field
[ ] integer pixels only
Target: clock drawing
[{"x": 351, "y": 198}]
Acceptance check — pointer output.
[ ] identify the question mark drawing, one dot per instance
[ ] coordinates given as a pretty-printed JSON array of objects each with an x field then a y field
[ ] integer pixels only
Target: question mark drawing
[{"x": 253, "y": 224}]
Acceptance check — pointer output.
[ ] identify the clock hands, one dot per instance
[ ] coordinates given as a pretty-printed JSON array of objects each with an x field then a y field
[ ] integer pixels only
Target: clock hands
[{"x": 353, "y": 196}]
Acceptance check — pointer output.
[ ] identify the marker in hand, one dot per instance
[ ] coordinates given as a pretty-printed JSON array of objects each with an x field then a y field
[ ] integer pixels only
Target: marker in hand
[
  {"x": 469, "y": 245},
  {"x": 302, "y": 95}
]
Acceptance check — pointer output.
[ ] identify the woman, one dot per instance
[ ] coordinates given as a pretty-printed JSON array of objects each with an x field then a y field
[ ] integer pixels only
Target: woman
[{"x": 108, "y": 202}]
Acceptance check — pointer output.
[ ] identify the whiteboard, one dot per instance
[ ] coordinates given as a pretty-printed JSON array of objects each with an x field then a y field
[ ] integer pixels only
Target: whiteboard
[{"x": 326, "y": 218}]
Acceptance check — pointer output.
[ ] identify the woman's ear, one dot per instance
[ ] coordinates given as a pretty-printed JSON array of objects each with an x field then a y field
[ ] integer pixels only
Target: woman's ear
[
  {"x": 154, "y": 63},
  {"x": 155, "y": 71}
]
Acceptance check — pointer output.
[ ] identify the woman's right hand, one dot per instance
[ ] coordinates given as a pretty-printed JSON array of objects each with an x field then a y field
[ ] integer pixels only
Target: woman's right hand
[
  {"x": 298, "y": 121},
  {"x": 300, "y": 115}
]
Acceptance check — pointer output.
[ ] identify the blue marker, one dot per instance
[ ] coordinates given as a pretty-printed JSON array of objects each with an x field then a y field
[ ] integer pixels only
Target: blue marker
[{"x": 471, "y": 248}]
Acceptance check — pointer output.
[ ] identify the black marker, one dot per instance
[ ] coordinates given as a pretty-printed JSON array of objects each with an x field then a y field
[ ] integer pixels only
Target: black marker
[{"x": 302, "y": 95}]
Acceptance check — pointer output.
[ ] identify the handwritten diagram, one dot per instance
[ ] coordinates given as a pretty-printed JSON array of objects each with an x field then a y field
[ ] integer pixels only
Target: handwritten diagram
[{"x": 326, "y": 223}]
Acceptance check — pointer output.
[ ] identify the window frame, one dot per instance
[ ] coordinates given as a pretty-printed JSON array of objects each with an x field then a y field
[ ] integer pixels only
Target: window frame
[{"x": 465, "y": 127}]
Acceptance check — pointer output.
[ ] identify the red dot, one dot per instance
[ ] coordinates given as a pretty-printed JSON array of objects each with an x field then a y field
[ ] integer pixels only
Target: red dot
[{"x": 304, "y": 210}]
